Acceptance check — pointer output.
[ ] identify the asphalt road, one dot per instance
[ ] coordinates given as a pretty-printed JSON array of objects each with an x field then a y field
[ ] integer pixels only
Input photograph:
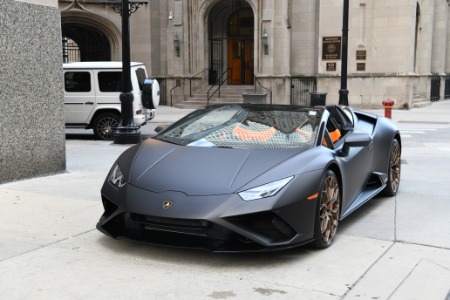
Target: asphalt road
[{"x": 392, "y": 248}]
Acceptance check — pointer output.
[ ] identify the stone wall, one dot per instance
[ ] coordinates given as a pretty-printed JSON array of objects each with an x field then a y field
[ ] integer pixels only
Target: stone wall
[{"x": 32, "y": 141}]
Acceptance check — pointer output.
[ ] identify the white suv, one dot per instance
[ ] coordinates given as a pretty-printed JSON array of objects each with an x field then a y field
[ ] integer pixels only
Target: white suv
[{"x": 91, "y": 96}]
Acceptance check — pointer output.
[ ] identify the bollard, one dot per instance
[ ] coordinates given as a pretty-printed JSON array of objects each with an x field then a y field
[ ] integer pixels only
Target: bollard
[{"x": 388, "y": 104}]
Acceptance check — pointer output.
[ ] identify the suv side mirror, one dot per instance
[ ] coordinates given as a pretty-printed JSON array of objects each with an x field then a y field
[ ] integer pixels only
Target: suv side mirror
[
  {"x": 356, "y": 140},
  {"x": 150, "y": 93}
]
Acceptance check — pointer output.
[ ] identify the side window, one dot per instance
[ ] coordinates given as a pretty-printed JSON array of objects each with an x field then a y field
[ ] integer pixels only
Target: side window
[
  {"x": 110, "y": 81},
  {"x": 77, "y": 81}
]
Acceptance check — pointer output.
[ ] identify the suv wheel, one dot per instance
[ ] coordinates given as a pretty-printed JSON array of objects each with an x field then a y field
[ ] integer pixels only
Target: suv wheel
[{"x": 105, "y": 125}]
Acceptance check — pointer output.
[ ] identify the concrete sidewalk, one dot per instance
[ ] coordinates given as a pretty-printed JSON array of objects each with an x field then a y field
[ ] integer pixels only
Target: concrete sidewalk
[{"x": 392, "y": 249}]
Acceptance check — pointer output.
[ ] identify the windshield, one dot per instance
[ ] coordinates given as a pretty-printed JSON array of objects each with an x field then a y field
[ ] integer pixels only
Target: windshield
[{"x": 246, "y": 127}]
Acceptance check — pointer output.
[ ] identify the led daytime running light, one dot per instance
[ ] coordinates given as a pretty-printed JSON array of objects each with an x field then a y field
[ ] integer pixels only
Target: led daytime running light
[{"x": 264, "y": 191}]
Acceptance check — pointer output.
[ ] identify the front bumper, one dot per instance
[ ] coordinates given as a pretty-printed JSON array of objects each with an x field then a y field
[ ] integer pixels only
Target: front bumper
[{"x": 215, "y": 223}]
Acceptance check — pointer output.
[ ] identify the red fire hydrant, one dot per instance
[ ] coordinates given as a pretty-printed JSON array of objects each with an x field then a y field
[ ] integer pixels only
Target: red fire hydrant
[{"x": 388, "y": 104}]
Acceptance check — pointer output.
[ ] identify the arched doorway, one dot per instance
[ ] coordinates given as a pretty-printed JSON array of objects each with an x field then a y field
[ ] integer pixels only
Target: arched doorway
[
  {"x": 231, "y": 40},
  {"x": 91, "y": 44},
  {"x": 94, "y": 38}
]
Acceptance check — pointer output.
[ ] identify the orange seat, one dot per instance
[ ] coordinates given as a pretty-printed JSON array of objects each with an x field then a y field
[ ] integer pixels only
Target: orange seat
[{"x": 335, "y": 135}]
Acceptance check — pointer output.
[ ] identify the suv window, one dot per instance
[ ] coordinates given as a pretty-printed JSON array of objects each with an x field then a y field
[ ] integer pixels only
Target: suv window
[
  {"x": 110, "y": 81},
  {"x": 77, "y": 81}
]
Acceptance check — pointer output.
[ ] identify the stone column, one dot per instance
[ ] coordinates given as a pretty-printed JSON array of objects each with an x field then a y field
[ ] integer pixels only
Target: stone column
[
  {"x": 447, "y": 57},
  {"x": 440, "y": 33}
]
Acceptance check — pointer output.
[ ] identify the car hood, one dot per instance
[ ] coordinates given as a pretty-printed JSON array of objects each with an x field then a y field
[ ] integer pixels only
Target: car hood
[{"x": 160, "y": 166}]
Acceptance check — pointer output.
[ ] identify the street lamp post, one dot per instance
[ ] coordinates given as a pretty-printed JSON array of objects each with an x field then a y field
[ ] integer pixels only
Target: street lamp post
[
  {"x": 343, "y": 92},
  {"x": 127, "y": 132}
]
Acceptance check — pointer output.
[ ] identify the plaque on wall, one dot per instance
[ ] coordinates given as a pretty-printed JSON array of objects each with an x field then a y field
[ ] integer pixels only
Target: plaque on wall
[
  {"x": 331, "y": 66},
  {"x": 331, "y": 48},
  {"x": 360, "y": 66},
  {"x": 361, "y": 54}
]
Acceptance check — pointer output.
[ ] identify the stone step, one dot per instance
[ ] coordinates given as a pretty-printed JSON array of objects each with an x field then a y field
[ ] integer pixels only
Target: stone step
[
  {"x": 228, "y": 94},
  {"x": 227, "y": 89},
  {"x": 419, "y": 102},
  {"x": 200, "y": 102}
]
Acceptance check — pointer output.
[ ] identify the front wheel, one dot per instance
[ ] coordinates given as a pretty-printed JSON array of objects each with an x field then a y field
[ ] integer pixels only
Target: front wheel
[
  {"x": 393, "y": 170},
  {"x": 105, "y": 125},
  {"x": 328, "y": 210}
]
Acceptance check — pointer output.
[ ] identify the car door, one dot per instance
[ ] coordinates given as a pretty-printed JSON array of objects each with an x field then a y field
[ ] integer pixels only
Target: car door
[
  {"x": 79, "y": 96},
  {"x": 356, "y": 169},
  {"x": 355, "y": 162}
]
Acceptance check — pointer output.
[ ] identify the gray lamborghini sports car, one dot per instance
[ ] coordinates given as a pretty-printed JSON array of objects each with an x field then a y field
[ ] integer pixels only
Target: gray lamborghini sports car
[{"x": 246, "y": 177}]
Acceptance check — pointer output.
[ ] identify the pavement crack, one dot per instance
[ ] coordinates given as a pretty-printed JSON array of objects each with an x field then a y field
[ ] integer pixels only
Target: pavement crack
[
  {"x": 404, "y": 279},
  {"x": 412, "y": 270},
  {"x": 350, "y": 287},
  {"x": 395, "y": 218}
]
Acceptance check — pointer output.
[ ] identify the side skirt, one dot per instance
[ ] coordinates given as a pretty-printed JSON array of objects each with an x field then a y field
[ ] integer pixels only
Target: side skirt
[{"x": 373, "y": 187}]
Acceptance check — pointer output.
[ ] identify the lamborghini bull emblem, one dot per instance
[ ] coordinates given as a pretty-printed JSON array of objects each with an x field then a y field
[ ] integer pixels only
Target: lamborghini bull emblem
[{"x": 167, "y": 204}]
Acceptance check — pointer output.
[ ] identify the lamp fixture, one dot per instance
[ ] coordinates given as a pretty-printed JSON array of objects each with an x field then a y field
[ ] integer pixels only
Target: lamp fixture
[
  {"x": 265, "y": 42},
  {"x": 176, "y": 44},
  {"x": 133, "y": 5}
]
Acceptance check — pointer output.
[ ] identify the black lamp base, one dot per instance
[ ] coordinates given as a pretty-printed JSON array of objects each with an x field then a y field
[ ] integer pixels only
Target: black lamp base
[{"x": 127, "y": 135}]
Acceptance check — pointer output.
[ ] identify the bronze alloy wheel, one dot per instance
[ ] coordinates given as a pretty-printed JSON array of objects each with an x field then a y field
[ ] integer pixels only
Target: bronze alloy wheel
[
  {"x": 394, "y": 169},
  {"x": 395, "y": 164},
  {"x": 329, "y": 211}
]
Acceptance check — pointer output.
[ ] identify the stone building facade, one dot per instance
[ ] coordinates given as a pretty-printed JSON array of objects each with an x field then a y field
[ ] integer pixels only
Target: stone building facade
[
  {"x": 32, "y": 141},
  {"x": 286, "y": 49}
]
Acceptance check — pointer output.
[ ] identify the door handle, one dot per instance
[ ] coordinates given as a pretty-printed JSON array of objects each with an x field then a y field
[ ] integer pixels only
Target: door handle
[{"x": 89, "y": 103}]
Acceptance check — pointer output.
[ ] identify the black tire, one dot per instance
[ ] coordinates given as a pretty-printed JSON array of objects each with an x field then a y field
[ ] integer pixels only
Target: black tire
[
  {"x": 328, "y": 211},
  {"x": 394, "y": 169},
  {"x": 105, "y": 125}
]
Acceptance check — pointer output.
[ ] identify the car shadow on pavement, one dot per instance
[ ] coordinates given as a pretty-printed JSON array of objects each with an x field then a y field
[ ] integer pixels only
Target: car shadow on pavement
[
  {"x": 91, "y": 137},
  {"x": 149, "y": 252},
  {"x": 374, "y": 219},
  {"x": 80, "y": 136}
]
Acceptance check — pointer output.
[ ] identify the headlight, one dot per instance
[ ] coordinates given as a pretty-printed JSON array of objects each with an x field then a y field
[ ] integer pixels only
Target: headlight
[
  {"x": 116, "y": 177},
  {"x": 265, "y": 190}
]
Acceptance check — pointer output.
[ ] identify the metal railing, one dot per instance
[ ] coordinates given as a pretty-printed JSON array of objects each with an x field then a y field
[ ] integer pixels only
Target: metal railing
[
  {"x": 447, "y": 87},
  {"x": 301, "y": 89},
  {"x": 162, "y": 90},
  {"x": 263, "y": 87},
  {"x": 183, "y": 83},
  {"x": 219, "y": 82},
  {"x": 435, "y": 87}
]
